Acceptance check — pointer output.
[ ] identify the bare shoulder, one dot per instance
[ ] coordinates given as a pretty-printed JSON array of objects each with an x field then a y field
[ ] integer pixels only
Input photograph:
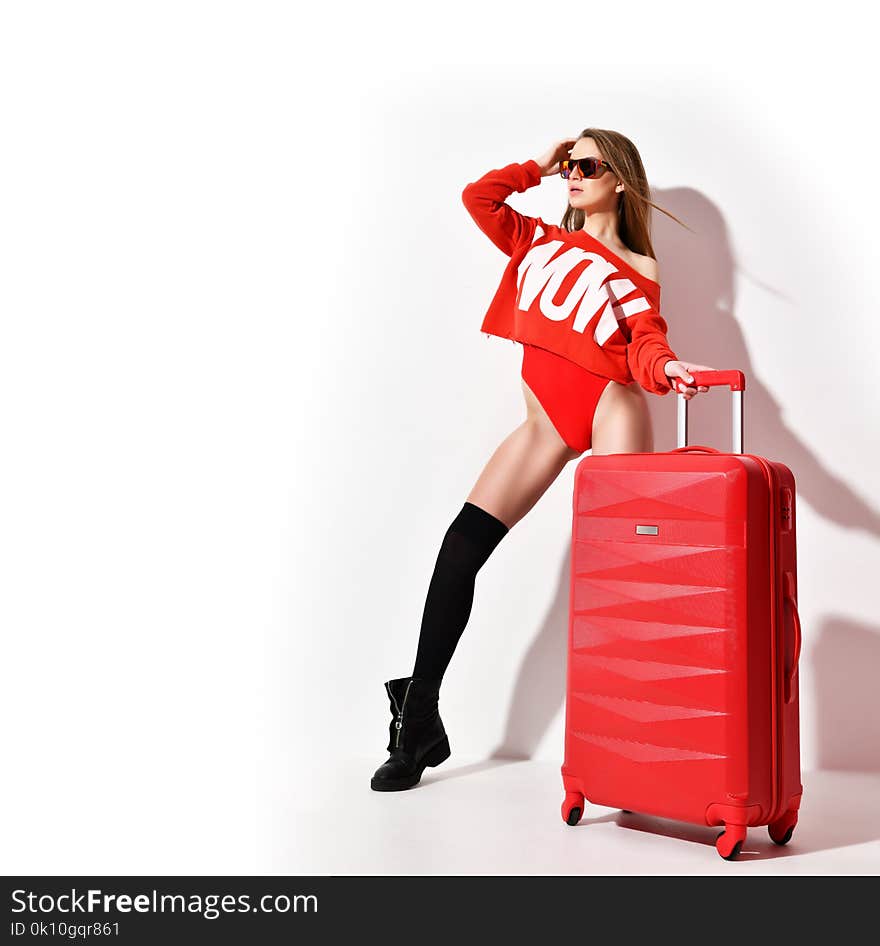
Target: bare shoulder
[{"x": 646, "y": 265}]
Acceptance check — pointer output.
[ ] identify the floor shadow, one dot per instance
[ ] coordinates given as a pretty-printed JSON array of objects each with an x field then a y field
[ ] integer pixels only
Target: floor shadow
[
  {"x": 461, "y": 771},
  {"x": 697, "y": 275}
]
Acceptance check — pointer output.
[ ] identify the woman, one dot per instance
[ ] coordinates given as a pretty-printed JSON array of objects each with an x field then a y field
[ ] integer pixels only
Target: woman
[{"x": 583, "y": 300}]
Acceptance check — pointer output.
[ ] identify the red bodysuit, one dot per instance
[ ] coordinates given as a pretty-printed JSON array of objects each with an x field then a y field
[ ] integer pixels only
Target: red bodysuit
[{"x": 583, "y": 315}]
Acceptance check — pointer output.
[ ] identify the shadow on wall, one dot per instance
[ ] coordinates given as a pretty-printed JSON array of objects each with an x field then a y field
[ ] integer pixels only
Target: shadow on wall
[
  {"x": 697, "y": 276},
  {"x": 539, "y": 690},
  {"x": 846, "y": 666}
]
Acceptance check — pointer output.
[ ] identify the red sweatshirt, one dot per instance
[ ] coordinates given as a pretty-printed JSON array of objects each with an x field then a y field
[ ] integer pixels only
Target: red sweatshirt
[{"x": 566, "y": 291}]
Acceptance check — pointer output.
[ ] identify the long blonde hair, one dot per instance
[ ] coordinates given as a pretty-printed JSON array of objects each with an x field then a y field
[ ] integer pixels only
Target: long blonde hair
[{"x": 633, "y": 215}]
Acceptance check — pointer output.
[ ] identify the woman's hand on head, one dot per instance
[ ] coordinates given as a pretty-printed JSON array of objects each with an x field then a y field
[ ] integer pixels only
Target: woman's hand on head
[
  {"x": 679, "y": 374},
  {"x": 549, "y": 161}
]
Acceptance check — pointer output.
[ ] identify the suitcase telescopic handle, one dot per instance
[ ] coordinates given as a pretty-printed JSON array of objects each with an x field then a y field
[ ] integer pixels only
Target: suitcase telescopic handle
[
  {"x": 788, "y": 596},
  {"x": 731, "y": 378}
]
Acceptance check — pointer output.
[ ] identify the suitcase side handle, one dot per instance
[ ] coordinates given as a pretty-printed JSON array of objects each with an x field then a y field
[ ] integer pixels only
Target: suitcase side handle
[
  {"x": 788, "y": 596},
  {"x": 732, "y": 378}
]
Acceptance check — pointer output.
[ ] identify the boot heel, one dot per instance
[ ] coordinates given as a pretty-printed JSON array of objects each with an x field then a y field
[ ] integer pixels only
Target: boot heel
[{"x": 438, "y": 754}]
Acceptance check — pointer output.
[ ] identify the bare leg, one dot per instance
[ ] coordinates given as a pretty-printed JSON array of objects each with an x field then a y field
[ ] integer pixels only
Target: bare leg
[
  {"x": 523, "y": 466},
  {"x": 622, "y": 422}
]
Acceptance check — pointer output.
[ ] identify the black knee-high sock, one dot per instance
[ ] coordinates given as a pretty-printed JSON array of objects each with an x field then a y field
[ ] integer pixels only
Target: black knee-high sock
[{"x": 468, "y": 543}]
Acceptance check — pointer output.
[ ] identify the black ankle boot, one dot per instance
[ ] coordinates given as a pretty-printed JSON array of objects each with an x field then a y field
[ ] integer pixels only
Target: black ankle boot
[{"x": 417, "y": 738}]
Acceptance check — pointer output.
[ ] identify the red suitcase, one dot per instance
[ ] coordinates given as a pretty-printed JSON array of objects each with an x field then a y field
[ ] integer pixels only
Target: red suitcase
[{"x": 684, "y": 637}]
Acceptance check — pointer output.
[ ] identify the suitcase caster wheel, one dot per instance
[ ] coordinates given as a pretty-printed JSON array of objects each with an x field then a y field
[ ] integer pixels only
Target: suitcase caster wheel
[
  {"x": 572, "y": 808},
  {"x": 729, "y": 843},
  {"x": 781, "y": 830},
  {"x": 785, "y": 837}
]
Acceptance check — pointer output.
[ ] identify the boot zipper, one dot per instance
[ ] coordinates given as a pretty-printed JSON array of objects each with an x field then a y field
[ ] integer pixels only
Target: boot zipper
[{"x": 398, "y": 723}]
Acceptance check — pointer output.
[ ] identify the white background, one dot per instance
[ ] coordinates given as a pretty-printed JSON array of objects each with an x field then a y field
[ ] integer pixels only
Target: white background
[{"x": 244, "y": 390}]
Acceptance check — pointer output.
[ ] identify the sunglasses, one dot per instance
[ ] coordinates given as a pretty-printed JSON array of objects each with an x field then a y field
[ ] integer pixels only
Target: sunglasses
[{"x": 589, "y": 167}]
